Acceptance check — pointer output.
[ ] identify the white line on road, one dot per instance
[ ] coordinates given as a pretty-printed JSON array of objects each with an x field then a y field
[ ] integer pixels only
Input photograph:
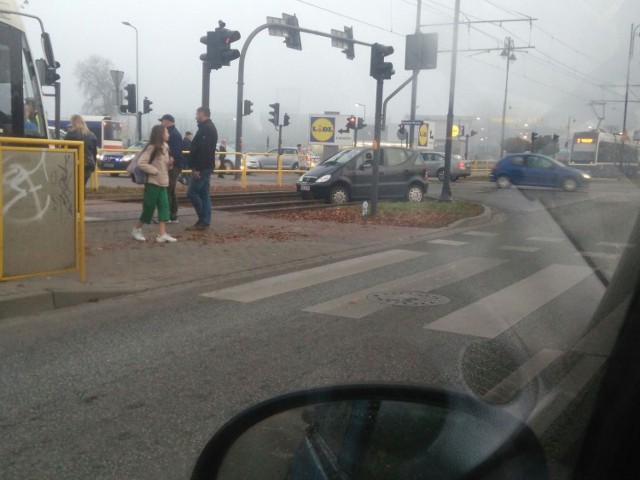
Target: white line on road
[
  {"x": 517, "y": 248},
  {"x": 357, "y": 305},
  {"x": 268, "y": 287},
  {"x": 492, "y": 315},
  {"x": 453, "y": 243},
  {"x": 480, "y": 234},
  {"x": 545, "y": 239}
]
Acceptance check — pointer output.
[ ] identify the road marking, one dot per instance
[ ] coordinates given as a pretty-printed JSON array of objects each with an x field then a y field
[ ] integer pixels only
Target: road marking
[
  {"x": 268, "y": 287},
  {"x": 480, "y": 234},
  {"x": 557, "y": 400},
  {"x": 605, "y": 256},
  {"x": 453, "y": 243},
  {"x": 492, "y": 315},
  {"x": 516, "y": 248},
  {"x": 357, "y": 305},
  {"x": 616, "y": 245},
  {"x": 545, "y": 239},
  {"x": 507, "y": 388}
]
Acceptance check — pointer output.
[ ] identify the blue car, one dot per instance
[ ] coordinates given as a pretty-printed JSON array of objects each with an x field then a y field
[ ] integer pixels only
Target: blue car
[{"x": 537, "y": 170}]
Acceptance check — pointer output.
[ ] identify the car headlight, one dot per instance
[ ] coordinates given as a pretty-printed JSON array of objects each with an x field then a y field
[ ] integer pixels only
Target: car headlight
[
  {"x": 128, "y": 157},
  {"x": 99, "y": 156},
  {"x": 324, "y": 178},
  {"x": 586, "y": 176},
  {"x": 301, "y": 179}
]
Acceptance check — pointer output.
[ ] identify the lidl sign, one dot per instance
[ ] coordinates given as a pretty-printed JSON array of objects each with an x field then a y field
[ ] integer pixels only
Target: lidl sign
[{"x": 329, "y": 130}]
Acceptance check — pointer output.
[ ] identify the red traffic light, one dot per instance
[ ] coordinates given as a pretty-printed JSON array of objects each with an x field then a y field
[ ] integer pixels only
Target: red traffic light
[{"x": 351, "y": 122}]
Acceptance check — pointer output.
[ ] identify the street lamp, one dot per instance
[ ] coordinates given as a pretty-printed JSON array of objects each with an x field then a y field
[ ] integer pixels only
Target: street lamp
[
  {"x": 138, "y": 116},
  {"x": 507, "y": 52},
  {"x": 626, "y": 95}
]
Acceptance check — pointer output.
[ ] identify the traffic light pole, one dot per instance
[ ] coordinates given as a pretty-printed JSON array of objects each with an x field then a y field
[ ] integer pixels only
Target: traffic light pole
[
  {"x": 377, "y": 133},
  {"x": 206, "y": 83},
  {"x": 139, "y": 125}
]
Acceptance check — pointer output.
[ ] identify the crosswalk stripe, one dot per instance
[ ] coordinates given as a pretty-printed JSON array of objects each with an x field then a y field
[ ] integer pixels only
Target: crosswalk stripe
[
  {"x": 605, "y": 256},
  {"x": 518, "y": 248},
  {"x": 474, "y": 233},
  {"x": 453, "y": 243},
  {"x": 616, "y": 244},
  {"x": 545, "y": 239},
  {"x": 357, "y": 305},
  {"x": 268, "y": 287},
  {"x": 492, "y": 315}
]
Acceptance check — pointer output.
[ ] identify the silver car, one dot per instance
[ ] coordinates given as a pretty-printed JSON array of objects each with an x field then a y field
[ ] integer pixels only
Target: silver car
[
  {"x": 290, "y": 160},
  {"x": 434, "y": 161}
]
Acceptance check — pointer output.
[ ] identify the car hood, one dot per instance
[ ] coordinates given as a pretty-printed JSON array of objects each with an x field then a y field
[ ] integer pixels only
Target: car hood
[{"x": 323, "y": 169}]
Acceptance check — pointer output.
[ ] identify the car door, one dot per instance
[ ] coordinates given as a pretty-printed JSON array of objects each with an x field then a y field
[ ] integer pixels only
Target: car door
[
  {"x": 360, "y": 174},
  {"x": 270, "y": 160},
  {"x": 393, "y": 177},
  {"x": 289, "y": 158},
  {"x": 541, "y": 171},
  {"x": 515, "y": 169},
  {"x": 433, "y": 161}
]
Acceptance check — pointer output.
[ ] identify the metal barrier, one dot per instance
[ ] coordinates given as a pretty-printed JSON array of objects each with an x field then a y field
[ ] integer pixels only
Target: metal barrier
[
  {"x": 243, "y": 172},
  {"x": 42, "y": 205},
  {"x": 482, "y": 168}
]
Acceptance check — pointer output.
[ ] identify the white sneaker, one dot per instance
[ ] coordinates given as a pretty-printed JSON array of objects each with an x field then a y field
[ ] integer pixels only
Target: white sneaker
[
  {"x": 137, "y": 234},
  {"x": 166, "y": 238}
]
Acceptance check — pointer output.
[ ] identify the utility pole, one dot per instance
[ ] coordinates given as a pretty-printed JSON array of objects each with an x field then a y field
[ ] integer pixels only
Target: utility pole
[{"x": 414, "y": 84}]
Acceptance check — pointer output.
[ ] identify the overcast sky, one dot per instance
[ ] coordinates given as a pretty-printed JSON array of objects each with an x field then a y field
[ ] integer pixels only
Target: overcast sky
[{"x": 579, "y": 45}]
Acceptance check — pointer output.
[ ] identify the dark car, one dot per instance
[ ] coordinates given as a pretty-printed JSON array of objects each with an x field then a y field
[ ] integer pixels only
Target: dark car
[
  {"x": 537, "y": 170},
  {"x": 119, "y": 160},
  {"x": 347, "y": 176}
]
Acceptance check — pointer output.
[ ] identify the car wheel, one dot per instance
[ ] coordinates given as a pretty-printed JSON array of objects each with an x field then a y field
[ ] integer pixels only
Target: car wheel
[
  {"x": 415, "y": 193},
  {"x": 440, "y": 174},
  {"x": 295, "y": 166},
  {"x": 339, "y": 194},
  {"x": 454, "y": 178},
  {"x": 113, "y": 174},
  {"x": 569, "y": 185},
  {"x": 503, "y": 181}
]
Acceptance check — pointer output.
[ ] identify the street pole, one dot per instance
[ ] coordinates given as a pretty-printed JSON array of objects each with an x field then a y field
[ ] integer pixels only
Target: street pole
[
  {"x": 445, "y": 196},
  {"x": 508, "y": 53},
  {"x": 377, "y": 133},
  {"x": 138, "y": 114},
  {"x": 626, "y": 94},
  {"x": 414, "y": 85},
  {"x": 206, "y": 83}
]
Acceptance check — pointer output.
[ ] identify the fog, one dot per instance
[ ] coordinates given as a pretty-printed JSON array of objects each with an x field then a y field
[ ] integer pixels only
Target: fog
[{"x": 571, "y": 53}]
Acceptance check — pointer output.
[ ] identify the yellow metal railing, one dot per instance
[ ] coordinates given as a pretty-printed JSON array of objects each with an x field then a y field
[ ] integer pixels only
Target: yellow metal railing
[{"x": 42, "y": 207}]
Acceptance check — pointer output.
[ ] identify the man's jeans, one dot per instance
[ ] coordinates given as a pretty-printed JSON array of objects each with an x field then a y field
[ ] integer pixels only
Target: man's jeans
[{"x": 198, "y": 193}]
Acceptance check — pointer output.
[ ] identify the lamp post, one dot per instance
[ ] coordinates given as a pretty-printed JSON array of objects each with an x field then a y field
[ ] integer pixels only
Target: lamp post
[
  {"x": 507, "y": 52},
  {"x": 626, "y": 95},
  {"x": 138, "y": 115}
]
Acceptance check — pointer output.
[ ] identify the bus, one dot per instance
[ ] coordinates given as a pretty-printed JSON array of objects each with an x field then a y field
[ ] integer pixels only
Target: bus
[
  {"x": 107, "y": 131},
  {"x": 21, "y": 108},
  {"x": 603, "y": 154}
]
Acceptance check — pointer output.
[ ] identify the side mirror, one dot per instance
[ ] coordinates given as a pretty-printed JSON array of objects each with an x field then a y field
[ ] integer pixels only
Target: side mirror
[
  {"x": 372, "y": 431},
  {"x": 366, "y": 164}
]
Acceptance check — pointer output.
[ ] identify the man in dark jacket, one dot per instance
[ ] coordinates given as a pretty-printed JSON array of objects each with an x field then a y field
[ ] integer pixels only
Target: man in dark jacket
[
  {"x": 202, "y": 160},
  {"x": 175, "y": 150}
]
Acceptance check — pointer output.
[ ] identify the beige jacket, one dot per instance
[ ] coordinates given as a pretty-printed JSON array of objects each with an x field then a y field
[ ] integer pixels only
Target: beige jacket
[{"x": 158, "y": 170}]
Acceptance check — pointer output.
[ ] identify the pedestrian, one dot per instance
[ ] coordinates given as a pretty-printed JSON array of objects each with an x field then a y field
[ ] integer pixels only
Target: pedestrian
[
  {"x": 301, "y": 155},
  {"x": 202, "y": 160},
  {"x": 80, "y": 132},
  {"x": 223, "y": 150},
  {"x": 175, "y": 150},
  {"x": 183, "y": 178},
  {"x": 155, "y": 161}
]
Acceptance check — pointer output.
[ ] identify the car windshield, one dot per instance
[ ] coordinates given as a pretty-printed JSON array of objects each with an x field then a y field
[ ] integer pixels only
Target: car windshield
[{"x": 136, "y": 319}]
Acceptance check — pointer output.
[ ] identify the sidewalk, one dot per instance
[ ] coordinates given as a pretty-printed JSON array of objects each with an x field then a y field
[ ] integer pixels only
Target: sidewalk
[{"x": 236, "y": 246}]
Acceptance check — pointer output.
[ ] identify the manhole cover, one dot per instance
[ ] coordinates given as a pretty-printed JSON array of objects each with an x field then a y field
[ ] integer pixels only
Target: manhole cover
[{"x": 409, "y": 299}]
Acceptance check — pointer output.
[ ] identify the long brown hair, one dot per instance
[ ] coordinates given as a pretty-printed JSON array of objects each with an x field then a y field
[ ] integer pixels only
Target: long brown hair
[{"x": 156, "y": 140}]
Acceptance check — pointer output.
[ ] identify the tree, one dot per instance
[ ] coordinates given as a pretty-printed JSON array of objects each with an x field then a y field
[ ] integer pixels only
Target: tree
[
  {"x": 94, "y": 79},
  {"x": 516, "y": 145}
]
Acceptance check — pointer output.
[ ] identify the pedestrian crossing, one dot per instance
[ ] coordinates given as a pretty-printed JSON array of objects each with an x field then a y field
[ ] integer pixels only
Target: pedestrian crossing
[{"x": 484, "y": 319}]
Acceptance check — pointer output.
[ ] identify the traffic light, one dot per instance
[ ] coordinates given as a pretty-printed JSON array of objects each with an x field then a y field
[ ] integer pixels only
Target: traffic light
[
  {"x": 461, "y": 130},
  {"x": 556, "y": 138},
  {"x": 361, "y": 123},
  {"x": 131, "y": 97},
  {"x": 275, "y": 114},
  {"x": 379, "y": 69},
  {"x": 219, "y": 51},
  {"x": 534, "y": 136},
  {"x": 349, "y": 51},
  {"x": 351, "y": 123},
  {"x": 472, "y": 133},
  {"x": 292, "y": 38},
  {"x": 286, "y": 119},
  {"x": 146, "y": 105},
  {"x": 247, "y": 108}
]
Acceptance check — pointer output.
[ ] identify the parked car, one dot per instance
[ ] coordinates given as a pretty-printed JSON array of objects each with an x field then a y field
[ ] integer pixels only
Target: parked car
[
  {"x": 434, "y": 162},
  {"x": 119, "y": 160},
  {"x": 347, "y": 176},
  {"x": 537, "y": 170},
  {"x": 290, "y": 159}
]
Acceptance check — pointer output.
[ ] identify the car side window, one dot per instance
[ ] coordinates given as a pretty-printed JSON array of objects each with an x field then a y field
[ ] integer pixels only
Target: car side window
[
  {"x": 394, "y": 156},
  {"x": 367, "y": 157},
  {"x": 538, "y": 162},
  {"x": 517, "y": 161}
]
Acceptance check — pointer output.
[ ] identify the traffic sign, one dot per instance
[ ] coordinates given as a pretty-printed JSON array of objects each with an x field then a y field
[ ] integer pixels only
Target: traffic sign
[{"x": 412, "y": 122}]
